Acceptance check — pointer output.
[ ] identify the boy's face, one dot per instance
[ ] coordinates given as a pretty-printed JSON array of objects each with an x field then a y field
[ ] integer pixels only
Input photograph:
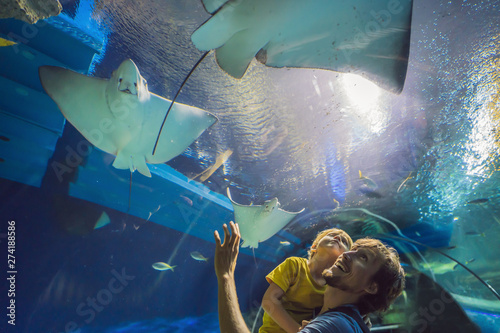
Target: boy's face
[{"x": 331, "y": 246}]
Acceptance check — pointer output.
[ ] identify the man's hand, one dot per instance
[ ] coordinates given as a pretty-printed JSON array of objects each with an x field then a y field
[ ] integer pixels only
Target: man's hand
[
  {"x": 230, "y": 318},
  {"x": 227, "y": 253},
  {"x": 367, "y": 321}
]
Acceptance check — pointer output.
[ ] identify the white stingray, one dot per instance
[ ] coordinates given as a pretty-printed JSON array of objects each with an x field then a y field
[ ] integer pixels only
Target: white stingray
[
  {"x": 121, "y": 117},
  {"x": 370, "y": 38},
  {"x": 261, "y": 222}
]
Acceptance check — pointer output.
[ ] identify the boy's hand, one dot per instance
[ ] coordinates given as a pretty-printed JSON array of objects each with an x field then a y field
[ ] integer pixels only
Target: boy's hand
[
  {"x": 226, "y": 253},
  {"x": 304, "y": 324}
]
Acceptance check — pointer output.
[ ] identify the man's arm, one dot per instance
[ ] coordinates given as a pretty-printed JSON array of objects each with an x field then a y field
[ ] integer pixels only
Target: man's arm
[{"x": 230, "y": 318}]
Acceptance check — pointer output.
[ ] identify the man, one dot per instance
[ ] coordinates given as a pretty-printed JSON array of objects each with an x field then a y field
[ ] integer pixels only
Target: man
[{"x": 366, "y": 279}]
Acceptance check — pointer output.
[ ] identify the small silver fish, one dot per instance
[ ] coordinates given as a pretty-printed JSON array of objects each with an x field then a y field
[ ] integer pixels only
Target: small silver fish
[
  {"x": 285, "y": 243},
  {"x": 198, "y": 256},
  {"x": 187, "y": 200},
  {"x": 161, "y": 266}
]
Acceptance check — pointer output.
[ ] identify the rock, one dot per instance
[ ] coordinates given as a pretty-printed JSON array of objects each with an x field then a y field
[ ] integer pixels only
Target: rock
[{"x": 29, "y": 10}]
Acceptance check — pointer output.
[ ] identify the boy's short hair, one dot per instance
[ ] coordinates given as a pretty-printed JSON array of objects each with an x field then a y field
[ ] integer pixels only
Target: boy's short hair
[
  {"x": 323, "y": 233},
  {"x": 390, "y": 278}
]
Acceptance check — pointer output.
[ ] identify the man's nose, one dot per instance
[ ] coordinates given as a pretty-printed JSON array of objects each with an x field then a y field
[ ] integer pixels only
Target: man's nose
[{"x": 348, "y": 255}]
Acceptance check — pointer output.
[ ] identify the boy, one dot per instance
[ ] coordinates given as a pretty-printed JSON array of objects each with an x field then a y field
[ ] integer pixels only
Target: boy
[{"x": 296, "y": 286}]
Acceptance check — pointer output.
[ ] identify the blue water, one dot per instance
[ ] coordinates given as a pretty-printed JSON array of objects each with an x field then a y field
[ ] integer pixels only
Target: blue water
[
  {"x": 104, "y": 278},
  {"x": 206, "y": 323}
]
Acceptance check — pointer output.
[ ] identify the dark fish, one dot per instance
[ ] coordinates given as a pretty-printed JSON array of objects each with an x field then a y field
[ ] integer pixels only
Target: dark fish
[
  {"x": 478, "y": 201},
  {"x": 475, "y": 233},
  {"x": 75, "y": 216},
  {"x": 370, "y": 193}
]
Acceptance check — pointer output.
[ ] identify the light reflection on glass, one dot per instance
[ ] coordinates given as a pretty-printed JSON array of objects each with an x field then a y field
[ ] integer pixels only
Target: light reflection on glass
[{"x": 365, "y": 96}]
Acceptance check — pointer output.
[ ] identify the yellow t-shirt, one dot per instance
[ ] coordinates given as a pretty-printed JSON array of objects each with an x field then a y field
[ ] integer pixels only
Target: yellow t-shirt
[{"x": 302, "y": 293}]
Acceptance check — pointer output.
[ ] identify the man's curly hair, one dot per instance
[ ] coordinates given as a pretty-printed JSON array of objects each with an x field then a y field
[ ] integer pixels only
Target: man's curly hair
[{"x": 390, "y": 278}]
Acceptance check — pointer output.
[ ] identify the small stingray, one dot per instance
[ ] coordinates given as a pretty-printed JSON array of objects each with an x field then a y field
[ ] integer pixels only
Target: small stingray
[
  {"x": 260, "y": 222},
  {"x": 364, "y": 37},
  {"x": 121, "y": 117}
]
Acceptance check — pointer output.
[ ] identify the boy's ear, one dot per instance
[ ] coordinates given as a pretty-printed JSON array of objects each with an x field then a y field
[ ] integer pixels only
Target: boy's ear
[{"x": 372, "y": 288}]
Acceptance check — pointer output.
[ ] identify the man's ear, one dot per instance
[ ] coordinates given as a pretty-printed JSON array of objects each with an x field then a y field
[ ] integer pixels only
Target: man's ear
[{"x": 372, "y": 288}]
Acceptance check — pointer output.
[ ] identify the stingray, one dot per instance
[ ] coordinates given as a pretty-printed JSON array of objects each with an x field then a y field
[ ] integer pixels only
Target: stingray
[
  {"x": 370, "y": 38},
  {"x": 122, "y": 117},
  {"x": 260, "y": 222}
]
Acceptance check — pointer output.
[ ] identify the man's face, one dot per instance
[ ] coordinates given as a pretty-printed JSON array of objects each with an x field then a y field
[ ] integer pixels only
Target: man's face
[{"x": 353, "y": 271}]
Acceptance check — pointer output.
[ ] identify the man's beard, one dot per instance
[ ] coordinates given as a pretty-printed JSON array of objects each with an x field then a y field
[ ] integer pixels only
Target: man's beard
[{"x": 334, "y": 281}]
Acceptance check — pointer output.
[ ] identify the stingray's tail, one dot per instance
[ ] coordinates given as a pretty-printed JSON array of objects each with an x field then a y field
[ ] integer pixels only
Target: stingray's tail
[
  {"x": 129, "y": 192},
  {"x": 175, "y": 97},
  {"x": 254, "y": 259}
]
